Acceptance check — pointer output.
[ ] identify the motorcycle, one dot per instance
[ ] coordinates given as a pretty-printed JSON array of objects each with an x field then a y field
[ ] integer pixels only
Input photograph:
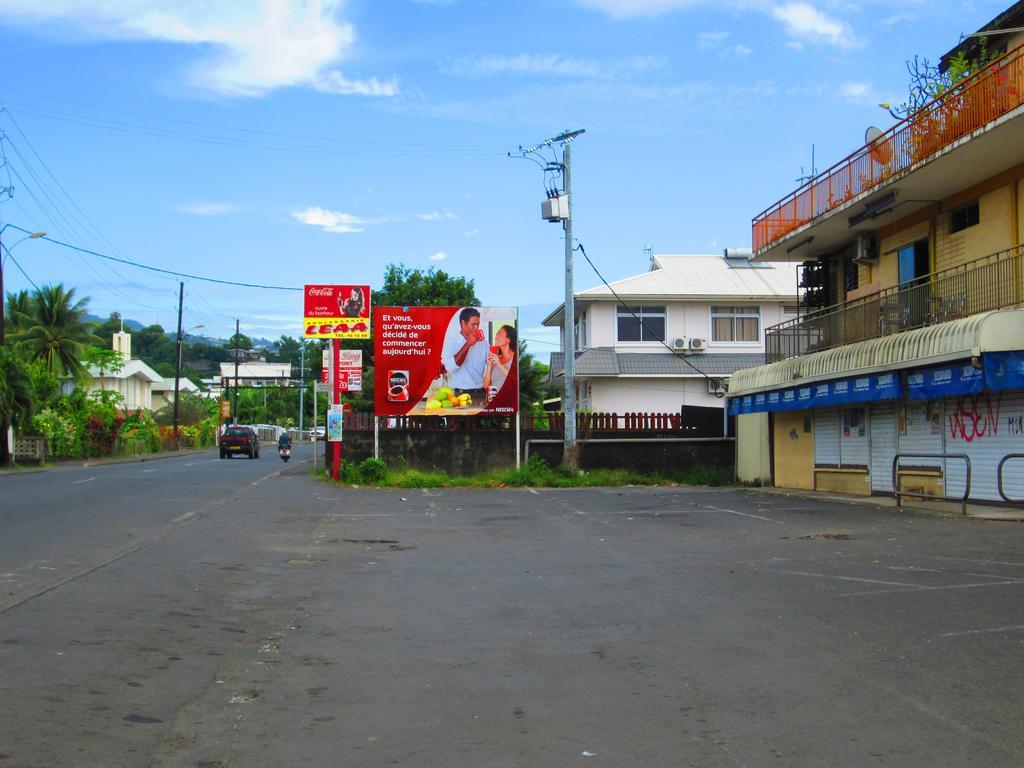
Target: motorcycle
[{"x": 286, "y": 452}]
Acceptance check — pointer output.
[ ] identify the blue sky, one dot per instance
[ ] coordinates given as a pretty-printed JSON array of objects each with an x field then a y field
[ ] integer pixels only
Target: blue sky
[{"x": 293, "y": 142}]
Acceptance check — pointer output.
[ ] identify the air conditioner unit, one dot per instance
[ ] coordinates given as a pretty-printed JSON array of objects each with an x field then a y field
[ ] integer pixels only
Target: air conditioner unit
[
  {"x": 697, "y": 344},
  {"x": 682, "y": 343},
  {"x": 867, "y": 250},
  {"x": 718, "y": 386}
]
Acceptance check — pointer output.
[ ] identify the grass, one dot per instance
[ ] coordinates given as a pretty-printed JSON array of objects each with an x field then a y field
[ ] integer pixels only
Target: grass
[{"x": 536, "y": 473}]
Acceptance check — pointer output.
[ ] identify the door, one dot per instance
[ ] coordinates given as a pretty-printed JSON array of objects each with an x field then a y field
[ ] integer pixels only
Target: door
[
  {"x": 986, "y": 426},
  {"x": 793, "y": 449},
  {"x": 883, "y": 445},
  {"x": 914, "y": 267}
]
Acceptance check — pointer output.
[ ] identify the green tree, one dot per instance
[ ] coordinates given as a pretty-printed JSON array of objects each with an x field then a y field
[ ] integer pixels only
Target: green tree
[
  {"x": 57, "y": 332},
  {"x": 18, "y": 314},
  {"x": 16, "y": 396},
  {"x": 533, "y": 388},
  {"x": 244, "y": 342},
  {"x": 407, "y": 287}
]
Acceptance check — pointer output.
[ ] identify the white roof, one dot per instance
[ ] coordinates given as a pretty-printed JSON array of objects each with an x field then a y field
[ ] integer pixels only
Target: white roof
[
  {"x": 167, "y": 385},
  {"x": 130, "y": 369},
  {"x": 257, "y": 370},
  {"x": 703, "y": 276}
]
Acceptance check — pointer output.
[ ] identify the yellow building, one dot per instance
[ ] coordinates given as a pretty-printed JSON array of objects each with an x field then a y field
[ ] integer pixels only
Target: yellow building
[{"x": 906, "y": 364}]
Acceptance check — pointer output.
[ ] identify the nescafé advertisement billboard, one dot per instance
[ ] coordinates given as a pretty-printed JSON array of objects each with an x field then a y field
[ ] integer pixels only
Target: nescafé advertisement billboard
[
  {"x": 445, "y": 361},
  {"x": 336, "y": 312}
]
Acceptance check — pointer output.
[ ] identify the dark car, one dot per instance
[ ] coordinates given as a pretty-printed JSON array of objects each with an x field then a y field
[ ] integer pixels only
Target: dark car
[{"x": 239, "y": 439}]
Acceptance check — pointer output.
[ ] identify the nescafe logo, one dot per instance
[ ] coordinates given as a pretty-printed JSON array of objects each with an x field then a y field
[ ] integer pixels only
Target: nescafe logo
[{"x": 398, "y": 386}]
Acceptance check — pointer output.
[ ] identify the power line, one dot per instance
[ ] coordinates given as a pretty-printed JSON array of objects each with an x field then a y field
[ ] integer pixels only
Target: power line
[
  {"x": 643, "y": 325},
  {"x": 158, "y": 269},
  {"x": 20, "y": 269}
]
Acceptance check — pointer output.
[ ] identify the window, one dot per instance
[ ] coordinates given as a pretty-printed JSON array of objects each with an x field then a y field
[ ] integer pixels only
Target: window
[
  {"x": 964, "y": 217},
  {"x": 640, "y": 324},
  {"x": 581, "y": 331},
  {"x": 914, "y": 263},
  {"x": 736, "y": 324}
]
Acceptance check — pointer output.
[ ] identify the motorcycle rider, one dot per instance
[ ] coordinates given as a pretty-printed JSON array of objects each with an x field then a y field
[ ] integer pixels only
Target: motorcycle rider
[{"x": 284, "y": 442}]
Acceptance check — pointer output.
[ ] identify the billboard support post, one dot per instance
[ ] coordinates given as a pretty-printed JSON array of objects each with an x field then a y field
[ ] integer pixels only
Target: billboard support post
[
  {"x": 519, "y": 446},
  {"x": 376, "y": 437},
  {"x": 335, "y": 400}
]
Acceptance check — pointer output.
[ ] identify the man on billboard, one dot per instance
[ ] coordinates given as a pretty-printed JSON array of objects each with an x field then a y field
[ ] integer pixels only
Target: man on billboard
[{"x": 465, "y": 355}]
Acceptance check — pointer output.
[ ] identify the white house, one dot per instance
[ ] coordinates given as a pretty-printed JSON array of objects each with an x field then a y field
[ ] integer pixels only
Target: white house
[
  {"x": 133, "y": 381},
  {"x": 250, "y": 374},
  {"x": 678, "y": 333},
  {"x": 163, "y": 390}
]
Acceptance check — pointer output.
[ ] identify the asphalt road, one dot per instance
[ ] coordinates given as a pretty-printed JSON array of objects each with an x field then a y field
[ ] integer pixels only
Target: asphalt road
[{"x": 197, "y": 612}]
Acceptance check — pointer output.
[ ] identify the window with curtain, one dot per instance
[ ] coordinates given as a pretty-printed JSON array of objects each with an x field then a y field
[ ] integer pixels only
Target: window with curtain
[
  {"x": 640, "y": 324},
  {"x": 736, "y": 324}
]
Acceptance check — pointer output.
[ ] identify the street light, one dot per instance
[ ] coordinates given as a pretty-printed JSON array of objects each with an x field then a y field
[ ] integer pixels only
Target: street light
[{"x": 3, "y": 302}]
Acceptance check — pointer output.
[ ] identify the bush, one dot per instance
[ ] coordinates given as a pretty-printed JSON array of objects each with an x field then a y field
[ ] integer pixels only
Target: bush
[{"x": 373, "y": 470}]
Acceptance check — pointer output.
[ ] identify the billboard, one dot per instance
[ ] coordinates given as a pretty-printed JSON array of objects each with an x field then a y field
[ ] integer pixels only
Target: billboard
[
  {"x": 445, "y": 361},
  {"x": 336, "y": 312}
]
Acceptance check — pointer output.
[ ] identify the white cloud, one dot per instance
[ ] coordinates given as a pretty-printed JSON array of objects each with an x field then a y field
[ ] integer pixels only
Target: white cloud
[
  {"x": 708, "y": 40},
  {"x": 471, "y": 233},
  {"x": 330, "y": 221},
  {"x": 801, "y": 19},
  {"x": 208, "y": 209},
  {"x": 740, "y": 51},
  {"x": 622, "y": 9},
  {"x": 551, "y": 64},
  {"x": 806, "y": 22},
  {"x": 437, "y": 216},
  {"x": 439, "y": 256},
  {"x": 247, "y": 48}
]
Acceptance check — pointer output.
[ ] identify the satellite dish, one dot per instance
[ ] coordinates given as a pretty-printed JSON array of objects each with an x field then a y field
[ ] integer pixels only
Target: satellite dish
[{"x": 878, "y": 147}]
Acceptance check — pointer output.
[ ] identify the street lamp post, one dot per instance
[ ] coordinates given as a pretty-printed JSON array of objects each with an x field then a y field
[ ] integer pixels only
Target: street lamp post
[
  {"x": 3, "y": 296},
  {"x": 5, "y": 427}
]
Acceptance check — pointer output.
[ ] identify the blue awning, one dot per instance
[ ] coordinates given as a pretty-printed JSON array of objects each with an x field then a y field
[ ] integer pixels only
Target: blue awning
[
  {"x": 1004, "y": 370},
  {"x": 856, "y": 389},
  {"x": 960, "y": 378}
]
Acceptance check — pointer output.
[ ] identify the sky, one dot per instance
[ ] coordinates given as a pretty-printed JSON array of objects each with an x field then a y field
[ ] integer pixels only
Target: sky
[{"x": 285, "y": 143}]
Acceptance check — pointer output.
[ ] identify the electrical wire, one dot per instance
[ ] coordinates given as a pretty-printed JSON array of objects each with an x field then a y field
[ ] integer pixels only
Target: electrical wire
[
  {"x": 20, "y": 268},
  {"x": 130, "y": 263},
  {"x": 629, "y": 309}
]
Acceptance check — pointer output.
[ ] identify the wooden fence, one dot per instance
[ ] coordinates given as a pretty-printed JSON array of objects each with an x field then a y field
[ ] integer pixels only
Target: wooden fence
[{"x": 632, "y": 422}]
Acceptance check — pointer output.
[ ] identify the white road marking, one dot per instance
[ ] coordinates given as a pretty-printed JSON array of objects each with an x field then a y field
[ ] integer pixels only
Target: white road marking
[
  {"x": 992, "y": 630},
  {"x": 192, "y": 464},
  {"x": 903, "y": 584},
  {"x": 741, "y": 514},
  {"x": 183, "y": 518},
  {"x": 87, "y": 480},
  {"x": 933, "y": 589},
  {"x": 148, "y": 470},
  {"x": 531, "y": 490}
]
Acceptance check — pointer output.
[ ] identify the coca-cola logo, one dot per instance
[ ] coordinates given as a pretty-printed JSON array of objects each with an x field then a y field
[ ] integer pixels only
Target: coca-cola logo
[{"x": 320, "y": 290}]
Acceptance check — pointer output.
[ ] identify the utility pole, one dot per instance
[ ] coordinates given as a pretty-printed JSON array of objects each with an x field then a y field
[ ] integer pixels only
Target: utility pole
[
  {"x": 570, "y": 450},
  {"x": 237, "y": 333},
  {"x": 177, "y": 366},
  {"x": 302, "y": 382}
]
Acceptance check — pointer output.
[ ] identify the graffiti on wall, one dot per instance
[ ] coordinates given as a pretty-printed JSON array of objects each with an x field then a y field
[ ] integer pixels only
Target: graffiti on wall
[{"x": 975, "y": 417}]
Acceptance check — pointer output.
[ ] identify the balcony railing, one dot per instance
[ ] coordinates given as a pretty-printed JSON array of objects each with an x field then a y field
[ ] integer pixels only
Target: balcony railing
[
  {"x": 991, "y": 282},
  {"x": 974, "y": 103}
]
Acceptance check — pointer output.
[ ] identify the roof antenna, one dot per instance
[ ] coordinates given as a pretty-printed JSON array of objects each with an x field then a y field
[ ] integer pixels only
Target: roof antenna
[
  {"x": 649, "y": 253},
  {"x": 805, "y": 177}
]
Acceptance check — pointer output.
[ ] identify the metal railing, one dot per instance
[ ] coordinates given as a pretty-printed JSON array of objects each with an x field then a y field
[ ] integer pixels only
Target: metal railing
[
  {"x": 896, "y": 480},
  {"x": 999, "y": 477},
  {"x": 991, "y": 282},
  {"x": 972, "y": 104}
]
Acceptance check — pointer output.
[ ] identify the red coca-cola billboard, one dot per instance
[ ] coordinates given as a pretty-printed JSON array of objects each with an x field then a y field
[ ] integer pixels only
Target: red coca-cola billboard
[
  {"x": 445, "y": 361},
  {"x": 336, "y": 312}
]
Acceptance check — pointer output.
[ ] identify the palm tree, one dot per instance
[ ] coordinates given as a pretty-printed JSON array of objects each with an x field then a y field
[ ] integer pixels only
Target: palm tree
[
  {"x": 57, "y": 332},
  {"x": 19, "y": 311},
  {"x": 16, "y": 397}
]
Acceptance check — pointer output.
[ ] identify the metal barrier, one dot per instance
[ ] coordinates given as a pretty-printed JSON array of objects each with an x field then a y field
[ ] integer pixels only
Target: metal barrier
[
  {"x": 896, "y": 482},
  {"x": 999, "y": 477}
]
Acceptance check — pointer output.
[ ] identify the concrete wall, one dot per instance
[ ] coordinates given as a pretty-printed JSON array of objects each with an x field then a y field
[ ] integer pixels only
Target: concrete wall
[
  {"x": 468, "y": 453},
  {"x": 650, "y": 394},
  {"x": 753, "y": 457}
]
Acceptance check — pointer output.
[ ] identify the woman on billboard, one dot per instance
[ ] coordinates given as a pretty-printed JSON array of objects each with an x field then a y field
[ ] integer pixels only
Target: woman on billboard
[{"x": 500, "y": 360}]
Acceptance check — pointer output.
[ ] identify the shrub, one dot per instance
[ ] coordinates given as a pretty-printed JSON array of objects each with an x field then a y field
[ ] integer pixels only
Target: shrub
[{"x": 373, "y": 470}]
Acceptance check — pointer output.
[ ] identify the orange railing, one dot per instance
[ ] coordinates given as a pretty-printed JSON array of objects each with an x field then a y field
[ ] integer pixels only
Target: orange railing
[{"x": 974, "y": 103}]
